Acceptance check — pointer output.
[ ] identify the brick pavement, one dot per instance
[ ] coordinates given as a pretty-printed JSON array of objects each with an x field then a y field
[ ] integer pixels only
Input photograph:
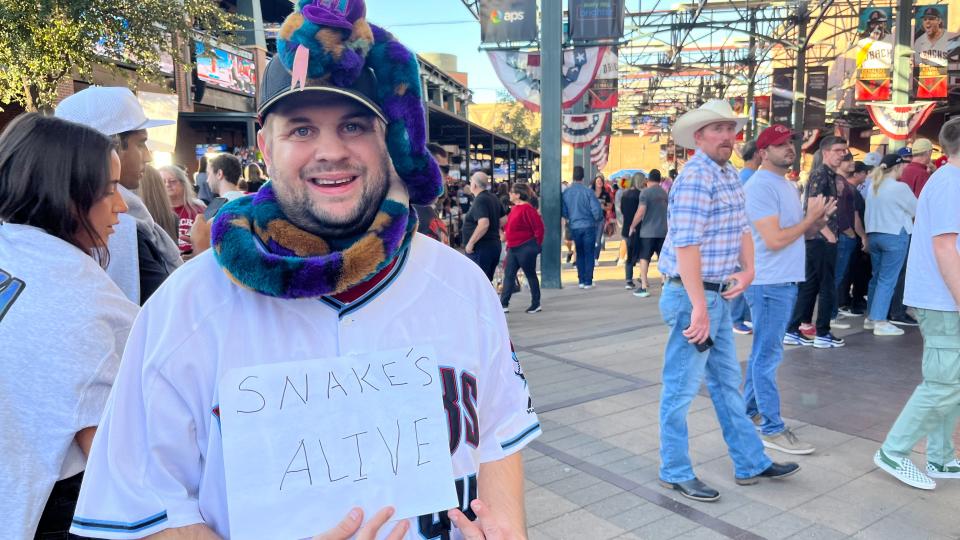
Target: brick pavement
[{"x": 593, "y": 361}]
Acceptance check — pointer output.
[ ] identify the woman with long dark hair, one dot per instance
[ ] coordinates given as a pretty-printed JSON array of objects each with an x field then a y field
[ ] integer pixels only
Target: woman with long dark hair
[
  {"x": 63, "y": 322},
  {"x": 524, "y": 235}
]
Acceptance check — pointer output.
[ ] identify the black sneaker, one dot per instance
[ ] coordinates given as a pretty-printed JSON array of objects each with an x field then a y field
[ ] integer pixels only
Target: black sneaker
[
  {"x": 828, "y": 341},
  {"x": 534, "y": 309},
  {"x": 905, "y": 320},
  {"x": 630, "y": 286}
]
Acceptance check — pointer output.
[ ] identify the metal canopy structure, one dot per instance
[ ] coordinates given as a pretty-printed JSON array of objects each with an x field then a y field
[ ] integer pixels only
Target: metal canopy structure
[{"x": 674, "y": 56}]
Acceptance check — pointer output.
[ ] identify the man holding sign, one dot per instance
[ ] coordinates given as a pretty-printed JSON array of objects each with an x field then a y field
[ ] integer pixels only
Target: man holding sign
[{"x": 289, "y": 381}]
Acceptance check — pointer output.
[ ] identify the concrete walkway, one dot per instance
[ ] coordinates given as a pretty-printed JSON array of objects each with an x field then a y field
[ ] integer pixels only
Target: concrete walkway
[{"x": 593, "y": 359}]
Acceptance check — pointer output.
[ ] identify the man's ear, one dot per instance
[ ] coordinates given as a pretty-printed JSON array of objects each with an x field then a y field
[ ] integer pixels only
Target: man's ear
[{"x": 263, "y": 145}]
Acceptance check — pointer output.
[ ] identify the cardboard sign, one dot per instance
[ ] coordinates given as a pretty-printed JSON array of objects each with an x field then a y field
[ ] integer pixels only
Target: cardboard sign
[{"x": 304, "y": 442}]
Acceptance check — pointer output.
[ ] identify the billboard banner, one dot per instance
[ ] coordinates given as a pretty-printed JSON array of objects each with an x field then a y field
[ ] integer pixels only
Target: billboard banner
[
  {"x": 503, "y": 21},
  {"x": 603, "y": 91},
  {"x": 875, "y": 54},
  {"x": 781, "y": 103},
  {"x": 815, "y": 112},
  {"x": 931, "y": 46},
  {"x": 225, "y": 69},
  {"x": 596, "y": 19}
]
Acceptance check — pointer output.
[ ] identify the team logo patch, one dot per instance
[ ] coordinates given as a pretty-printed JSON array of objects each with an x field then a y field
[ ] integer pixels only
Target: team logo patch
[{"x": 10, "y": 289}]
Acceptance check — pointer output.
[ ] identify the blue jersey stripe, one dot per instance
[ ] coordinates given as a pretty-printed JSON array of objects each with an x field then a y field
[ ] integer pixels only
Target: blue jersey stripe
[
  {"x": 520, "y": 438},
  {"x": 121, "y": 526}
]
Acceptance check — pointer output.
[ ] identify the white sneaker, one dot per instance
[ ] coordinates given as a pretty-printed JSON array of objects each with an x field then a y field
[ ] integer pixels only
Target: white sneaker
[
  {"x": 836, "y": 323},
  {"x": 587, "y": 287},
  {"x": 903, "y": 470},
  {"x": 787, "y": 442},
  {"x": 868, "y": 324},
  {"x": 883, "y": 328},
  {"x": 581, "y": 285},
  {"x": 950, "y": 470}
]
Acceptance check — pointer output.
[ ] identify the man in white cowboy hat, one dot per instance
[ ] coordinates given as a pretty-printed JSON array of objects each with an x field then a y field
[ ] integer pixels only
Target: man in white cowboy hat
[{"x": 708, "y": 237}]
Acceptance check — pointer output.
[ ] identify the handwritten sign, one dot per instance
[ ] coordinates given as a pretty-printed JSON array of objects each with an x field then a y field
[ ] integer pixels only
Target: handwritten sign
[{"x": 304, "y": 442}]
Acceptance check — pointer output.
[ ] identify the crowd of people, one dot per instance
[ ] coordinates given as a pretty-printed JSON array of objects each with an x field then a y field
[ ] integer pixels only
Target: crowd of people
[{"x": 882, "y": 228}]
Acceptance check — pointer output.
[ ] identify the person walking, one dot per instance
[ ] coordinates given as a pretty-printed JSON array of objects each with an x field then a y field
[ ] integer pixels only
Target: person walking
[
  {"x": 629, "y": 203},
  {"x": 605, "y": 197},
  {"x": 524, "y": 237},
  {"x": 819, "y": 287},
  {"x": 581, "y": 209},
  {"x": 481, "y": 226},
  {"x": 707, "y": 235},
  {"x": 778, "y": 225},
  {"x": 933, "y": 289},
  {"x": 650, "y": 226},
  {"x": 891, "y": 206}
]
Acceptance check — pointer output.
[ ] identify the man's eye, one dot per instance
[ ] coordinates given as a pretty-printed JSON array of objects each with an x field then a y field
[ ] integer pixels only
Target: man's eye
[
  {"x": 354, "y": 127},
  {"x": 302, "y": 132}
]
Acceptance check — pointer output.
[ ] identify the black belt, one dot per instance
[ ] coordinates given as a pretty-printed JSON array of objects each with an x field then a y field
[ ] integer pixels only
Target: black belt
[{"x": 707, "y": 285}]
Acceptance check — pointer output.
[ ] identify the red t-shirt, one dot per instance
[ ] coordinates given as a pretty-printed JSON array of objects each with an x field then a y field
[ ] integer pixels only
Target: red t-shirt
[
  {"x": 186, "y": 217},
  {"x": 523, "y": 223},
  {"x": 915, "y": 175}
]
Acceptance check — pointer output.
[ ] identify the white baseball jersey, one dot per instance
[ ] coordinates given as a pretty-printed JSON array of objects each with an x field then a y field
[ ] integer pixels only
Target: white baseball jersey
[
  {"x": 157, "y": 461},
  {"x": 932, "y": 53}
]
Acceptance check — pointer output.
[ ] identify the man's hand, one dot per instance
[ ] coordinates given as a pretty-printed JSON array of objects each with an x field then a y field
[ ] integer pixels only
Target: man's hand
[
  {"x": 200, "y": 234},
  {"x": 699, "y": 329},
  {"x": 819, "y": 211},
  {"x": 741, "y": 280},
  {"x": 485, "y": 527},
  {"x": 351, "y": 523},
  {"x": 468, "y": 249}
]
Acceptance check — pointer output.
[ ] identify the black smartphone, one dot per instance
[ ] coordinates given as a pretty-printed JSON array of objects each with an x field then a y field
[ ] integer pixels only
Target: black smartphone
[
  {"x": 213, "y": 208},
  {"x": 702, "y": 347}
]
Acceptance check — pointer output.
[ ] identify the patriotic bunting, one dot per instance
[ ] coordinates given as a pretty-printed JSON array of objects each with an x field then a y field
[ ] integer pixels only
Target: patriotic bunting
[
  {"x": 899, "y": 121},
  {"x": 582, "y": 129},
  {"x": 520, "y": 74}
]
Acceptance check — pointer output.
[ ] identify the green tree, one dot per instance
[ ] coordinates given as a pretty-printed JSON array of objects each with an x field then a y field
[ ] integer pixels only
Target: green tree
[
  {"x": 517, "y": 122},
  {"x": 43, "y": 41}
]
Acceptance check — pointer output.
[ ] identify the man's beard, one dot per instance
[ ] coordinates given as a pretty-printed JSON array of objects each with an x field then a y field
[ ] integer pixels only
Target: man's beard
[{"x": 302, "y": 212}]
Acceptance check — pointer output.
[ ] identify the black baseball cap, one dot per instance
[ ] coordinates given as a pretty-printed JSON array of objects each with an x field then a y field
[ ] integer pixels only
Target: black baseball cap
[
  {"x": 860, "y": 167},
  {"x": 931, "y": 12},
  {"x": 276, "y": 85},
  {"x": 891, "y": 160}
]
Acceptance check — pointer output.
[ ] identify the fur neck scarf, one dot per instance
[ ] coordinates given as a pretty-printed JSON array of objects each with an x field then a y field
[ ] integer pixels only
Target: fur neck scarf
[{"x": 261, "y": 250}]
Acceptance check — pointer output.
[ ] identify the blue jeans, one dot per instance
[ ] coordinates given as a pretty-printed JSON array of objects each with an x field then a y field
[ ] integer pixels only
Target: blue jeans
[
  {"x": 583, "y": 240},
  {"x": 771, "y": 306},
  {"x": 887, "y": 254},
  {"x": 845, "y": 248},
  {"x": 683, "y": 371},
  {"x": 739, "y": 310}
]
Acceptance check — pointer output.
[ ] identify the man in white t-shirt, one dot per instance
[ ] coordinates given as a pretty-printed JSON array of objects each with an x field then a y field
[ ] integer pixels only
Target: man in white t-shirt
[
  {"x": 933, "y": 289},
  {"x": 778, "y": 225},
  {"x": 324, "y": 261}
]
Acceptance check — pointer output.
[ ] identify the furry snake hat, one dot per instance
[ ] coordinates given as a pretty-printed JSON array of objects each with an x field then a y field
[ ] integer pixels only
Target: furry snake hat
[{"x": 328, "y": 46}]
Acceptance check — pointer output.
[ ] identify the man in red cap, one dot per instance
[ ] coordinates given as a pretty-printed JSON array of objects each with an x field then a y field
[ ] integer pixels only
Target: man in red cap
[{"x": 778, "y": 225}]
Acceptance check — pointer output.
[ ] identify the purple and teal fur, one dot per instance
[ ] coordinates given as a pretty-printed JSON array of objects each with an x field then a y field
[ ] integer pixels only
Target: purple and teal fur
[{"x": 265, "y": 266}]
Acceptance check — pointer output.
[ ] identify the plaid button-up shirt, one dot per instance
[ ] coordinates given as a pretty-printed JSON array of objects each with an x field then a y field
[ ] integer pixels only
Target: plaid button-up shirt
[{"x": 707, "y": 208}]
